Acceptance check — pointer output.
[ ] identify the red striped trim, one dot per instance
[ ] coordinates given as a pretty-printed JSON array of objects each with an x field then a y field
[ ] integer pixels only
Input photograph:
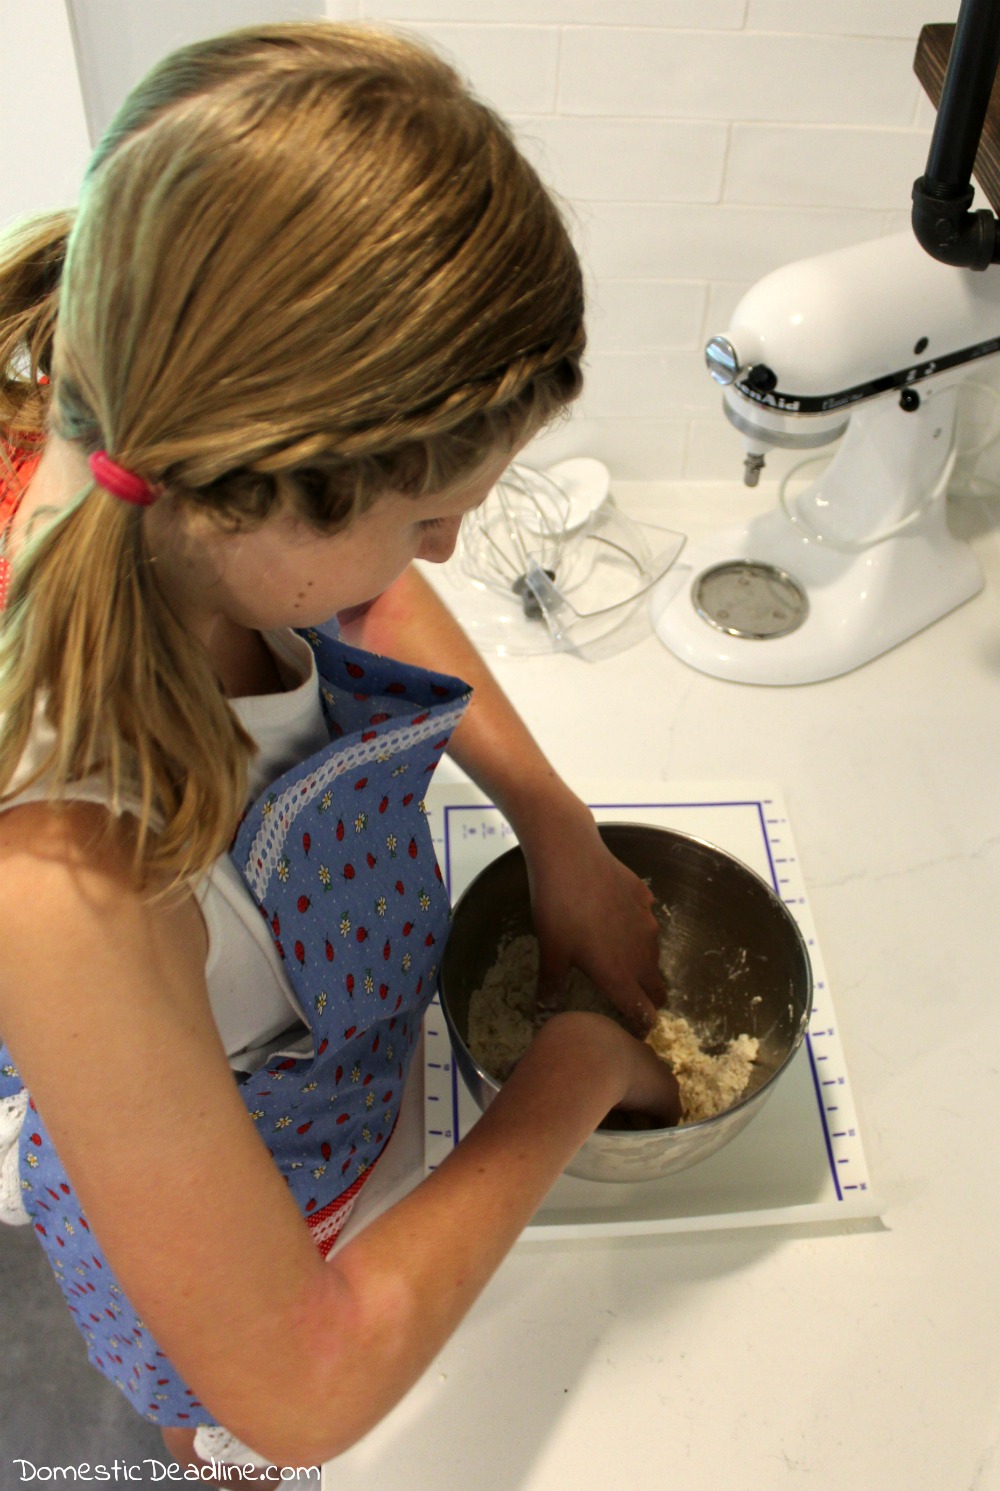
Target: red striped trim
[{"x": 328, "y": 1223}]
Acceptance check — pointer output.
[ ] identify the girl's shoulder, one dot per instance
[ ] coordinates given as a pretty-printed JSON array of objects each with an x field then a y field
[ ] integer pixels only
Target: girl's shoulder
[
  {"x": 75, "y": 927},
  {"x": 70, "y": 832},
  {"x": 54, "y": 853},
  {"x": 54, "y": 856}
]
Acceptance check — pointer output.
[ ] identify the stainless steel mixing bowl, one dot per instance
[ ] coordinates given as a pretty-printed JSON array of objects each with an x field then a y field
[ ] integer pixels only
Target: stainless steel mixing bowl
[{"x": 737, "y": 964}]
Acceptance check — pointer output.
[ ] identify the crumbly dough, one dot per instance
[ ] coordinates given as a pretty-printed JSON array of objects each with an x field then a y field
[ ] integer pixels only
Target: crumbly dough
[
  {"x": 504, "y": 1016},
  {"x": 709, "y": 1083}
]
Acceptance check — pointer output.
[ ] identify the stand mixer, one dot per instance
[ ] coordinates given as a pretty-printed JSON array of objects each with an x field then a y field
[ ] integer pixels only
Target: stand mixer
[{"x": 870, "y": 343}]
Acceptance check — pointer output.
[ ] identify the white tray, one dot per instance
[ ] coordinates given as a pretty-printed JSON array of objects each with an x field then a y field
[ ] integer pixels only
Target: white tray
[{"x": 801, "y": 1159}]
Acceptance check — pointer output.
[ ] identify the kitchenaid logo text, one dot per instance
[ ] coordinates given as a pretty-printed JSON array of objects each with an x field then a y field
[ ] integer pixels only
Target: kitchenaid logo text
[
  {"x": 772, "y": 400},
  {"x": 790, "y": 406},
  {"x": 793, "y": 403},
  {"x": 155, "y": 1472}
]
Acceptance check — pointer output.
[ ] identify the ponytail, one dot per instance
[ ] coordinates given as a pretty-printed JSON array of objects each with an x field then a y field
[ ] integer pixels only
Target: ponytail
[
  {"x": 87, "y": 637},
  {"x": 131, "y": 698}
]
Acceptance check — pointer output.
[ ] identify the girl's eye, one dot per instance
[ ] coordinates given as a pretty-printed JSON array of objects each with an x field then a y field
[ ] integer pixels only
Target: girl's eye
[{"x": 426, "y": 524}]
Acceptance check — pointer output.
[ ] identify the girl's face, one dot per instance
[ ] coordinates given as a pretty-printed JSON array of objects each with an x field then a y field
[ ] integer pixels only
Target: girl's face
[{"x": 285, "y": 574}]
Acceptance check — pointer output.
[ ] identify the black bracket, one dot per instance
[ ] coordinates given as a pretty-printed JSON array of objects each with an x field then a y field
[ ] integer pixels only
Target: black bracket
[{"x": 942, "y": 220}]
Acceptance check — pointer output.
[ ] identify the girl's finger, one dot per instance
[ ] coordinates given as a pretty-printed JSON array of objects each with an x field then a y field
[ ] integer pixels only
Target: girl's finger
[
  {"x": 656, "y": 989},
  {"x": 637, "y": 1007},
  {"x": 553, "y": 976}
]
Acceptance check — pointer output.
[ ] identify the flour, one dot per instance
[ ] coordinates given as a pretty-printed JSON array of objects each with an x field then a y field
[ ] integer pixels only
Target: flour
[{"x": 504, "y": 1017}]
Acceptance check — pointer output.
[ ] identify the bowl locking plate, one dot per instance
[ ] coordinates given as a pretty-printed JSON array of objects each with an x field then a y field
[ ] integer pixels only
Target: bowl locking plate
[{"x": 747, "y": 599}]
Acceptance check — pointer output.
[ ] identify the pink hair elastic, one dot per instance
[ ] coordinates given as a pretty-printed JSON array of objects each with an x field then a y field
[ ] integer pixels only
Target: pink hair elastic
[{"x": 119, "y": 482}]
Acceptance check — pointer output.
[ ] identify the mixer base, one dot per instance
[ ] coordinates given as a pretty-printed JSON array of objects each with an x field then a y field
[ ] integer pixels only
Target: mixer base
[{"x": 859, "y": 604}]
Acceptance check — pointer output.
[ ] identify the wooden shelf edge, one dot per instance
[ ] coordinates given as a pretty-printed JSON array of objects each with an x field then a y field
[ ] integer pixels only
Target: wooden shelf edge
[{"x": 930, "y": 65}]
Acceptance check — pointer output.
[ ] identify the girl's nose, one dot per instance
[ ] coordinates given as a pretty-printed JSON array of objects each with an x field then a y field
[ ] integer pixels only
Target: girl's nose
[{"x": 438, "y": 543}]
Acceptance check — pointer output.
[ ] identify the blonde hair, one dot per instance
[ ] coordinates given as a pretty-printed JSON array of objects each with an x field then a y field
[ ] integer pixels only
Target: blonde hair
[{"x": 307, "y": 268}]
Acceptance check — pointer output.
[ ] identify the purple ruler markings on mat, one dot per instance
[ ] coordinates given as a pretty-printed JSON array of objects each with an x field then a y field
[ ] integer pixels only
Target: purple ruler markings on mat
[{"x": 469, "y": 832}]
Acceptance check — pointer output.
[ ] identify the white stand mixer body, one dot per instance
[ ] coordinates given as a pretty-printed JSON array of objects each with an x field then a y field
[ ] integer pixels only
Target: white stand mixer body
[{"x": 867, "y": 542}]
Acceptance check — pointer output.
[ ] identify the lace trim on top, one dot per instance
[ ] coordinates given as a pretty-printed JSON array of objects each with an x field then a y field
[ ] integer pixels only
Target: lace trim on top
[
  {"x": 12, "y": 1114},
  {"x": 212, "y": 1442},
  {"x": 267, "y": 847}
]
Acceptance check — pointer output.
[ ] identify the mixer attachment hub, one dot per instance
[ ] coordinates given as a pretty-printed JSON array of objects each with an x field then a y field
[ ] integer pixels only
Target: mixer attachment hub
[
  {"x": 746, "y": 599},
  {"x": 753, "y": 465},
  {"x": 522, "y": 587}
]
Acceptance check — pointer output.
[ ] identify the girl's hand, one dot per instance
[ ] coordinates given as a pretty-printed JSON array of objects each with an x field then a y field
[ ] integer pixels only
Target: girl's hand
[
  {"x": 646, "y": 1084},
  {"x": 591, "y": 912}
]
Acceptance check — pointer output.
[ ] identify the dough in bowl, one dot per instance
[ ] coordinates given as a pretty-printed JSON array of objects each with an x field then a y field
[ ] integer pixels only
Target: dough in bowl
[{"x": 504, "y": 1016}]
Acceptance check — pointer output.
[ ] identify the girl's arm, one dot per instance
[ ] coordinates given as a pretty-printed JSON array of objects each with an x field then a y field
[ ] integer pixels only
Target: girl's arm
[
  {"x": 590, "y": 911},
  {"x": 104, "y": 1007}
]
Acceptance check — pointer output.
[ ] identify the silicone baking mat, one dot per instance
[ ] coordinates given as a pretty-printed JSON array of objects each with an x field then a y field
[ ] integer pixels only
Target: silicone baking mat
[{"x": 801, "y": 1159}]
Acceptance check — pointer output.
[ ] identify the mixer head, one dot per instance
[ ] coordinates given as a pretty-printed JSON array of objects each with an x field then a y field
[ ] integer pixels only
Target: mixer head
[{"x": 811, "y": 342}]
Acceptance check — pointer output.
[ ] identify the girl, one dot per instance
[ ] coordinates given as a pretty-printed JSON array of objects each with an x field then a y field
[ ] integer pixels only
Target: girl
[{"x": 311, "y": 304}]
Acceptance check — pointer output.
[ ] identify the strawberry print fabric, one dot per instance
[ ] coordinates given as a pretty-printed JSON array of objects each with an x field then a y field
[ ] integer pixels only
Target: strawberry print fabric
[{"x": 338, "y": 857}]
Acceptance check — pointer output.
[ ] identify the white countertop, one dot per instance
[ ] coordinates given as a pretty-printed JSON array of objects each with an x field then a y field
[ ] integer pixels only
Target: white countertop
[{"x": 853, "y": 1356}]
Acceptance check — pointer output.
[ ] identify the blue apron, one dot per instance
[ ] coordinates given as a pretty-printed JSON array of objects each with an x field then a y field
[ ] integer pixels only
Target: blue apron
[{"x": 338, "y": 856}]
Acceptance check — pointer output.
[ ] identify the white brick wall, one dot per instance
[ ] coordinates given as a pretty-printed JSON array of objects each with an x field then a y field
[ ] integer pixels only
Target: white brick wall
[
  {"x": 43, "y": 131},
  {"x": 697, "y": 144}
]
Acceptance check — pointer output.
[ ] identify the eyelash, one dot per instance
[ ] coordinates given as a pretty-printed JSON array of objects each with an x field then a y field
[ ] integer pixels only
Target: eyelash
[{"x": 428, "y": 523}]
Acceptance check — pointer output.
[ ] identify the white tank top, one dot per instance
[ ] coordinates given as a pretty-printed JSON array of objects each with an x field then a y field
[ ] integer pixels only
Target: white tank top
[{"x": 252, "y": 1002}]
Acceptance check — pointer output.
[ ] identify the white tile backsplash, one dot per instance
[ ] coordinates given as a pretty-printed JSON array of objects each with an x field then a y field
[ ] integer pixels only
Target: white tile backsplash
[
  {"x": 898, "y": 221},
  {"x": 730, "y": 75},
  {"x": 649, "y": 385},
  {"x": 41, "y": 162},
  {"x": 645, "y": 315},
  {"x": 788, "y": 165},
  {"x": 902, "y": 18},
  {"x": 924, "y": 114},
  {"x": 650, "y": 240},
  {"x": 713, "y": 14},
  {"x": 695, "y": 145},
  {"x": 514, "y": 68},
  {"x": 723, "y": 298},
  {"x": 629, "y": 160},
  {"x": 632, "y": 449}
]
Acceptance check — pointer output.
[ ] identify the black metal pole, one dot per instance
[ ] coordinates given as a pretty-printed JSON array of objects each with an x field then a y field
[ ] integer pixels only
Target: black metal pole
[{"x": 942, "y": 197}]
